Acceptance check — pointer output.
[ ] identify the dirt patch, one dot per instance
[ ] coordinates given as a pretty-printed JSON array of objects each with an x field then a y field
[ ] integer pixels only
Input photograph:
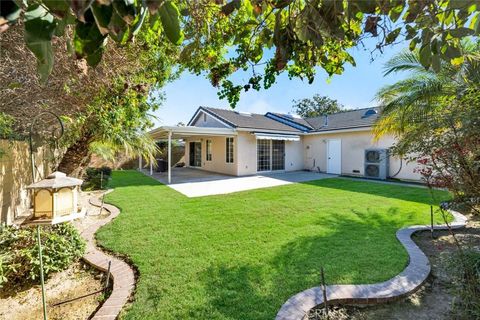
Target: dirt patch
[
  {"x": 76, "y": 281},
  {"x": 435, "y": 299}
]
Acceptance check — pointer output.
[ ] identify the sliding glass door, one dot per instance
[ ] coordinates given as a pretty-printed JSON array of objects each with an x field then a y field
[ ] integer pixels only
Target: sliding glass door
[
  {"x": 270, "y": 155},
  {"x": 263, "y": 155}
]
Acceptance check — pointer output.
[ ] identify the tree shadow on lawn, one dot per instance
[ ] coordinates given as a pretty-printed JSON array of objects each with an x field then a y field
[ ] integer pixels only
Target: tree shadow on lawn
[
  {"x": 407, "y": 193},
  {"x": 359, "y": 249},
  {"x": 131, "y": 178}
]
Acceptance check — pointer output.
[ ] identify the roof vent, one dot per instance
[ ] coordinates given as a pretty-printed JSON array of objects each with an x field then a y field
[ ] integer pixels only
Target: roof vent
[
  {"x": 369, "y": 112},
  {"x": 243, "y": 113}
]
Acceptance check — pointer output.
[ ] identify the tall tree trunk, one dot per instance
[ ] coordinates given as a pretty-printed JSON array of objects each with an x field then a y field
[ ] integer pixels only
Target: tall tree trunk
[{"x": 77, "y": 157}]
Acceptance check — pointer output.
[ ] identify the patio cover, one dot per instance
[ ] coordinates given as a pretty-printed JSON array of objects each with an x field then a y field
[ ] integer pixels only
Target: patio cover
[
  {"x": 188, "y": 131},
  {"x": 169, "y": 133},
  {"x": 272, "y": 136}
]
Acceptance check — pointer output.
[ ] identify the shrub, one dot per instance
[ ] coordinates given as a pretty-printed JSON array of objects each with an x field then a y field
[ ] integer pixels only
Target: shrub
[
  {"x": 465, "y": 270},
  {"x": 19, "y": 262},
  {"x": 93, "y": 180}
]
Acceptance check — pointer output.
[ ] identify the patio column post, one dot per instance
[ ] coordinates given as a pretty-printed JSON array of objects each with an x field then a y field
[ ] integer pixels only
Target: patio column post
[
  {"x": 151, "y": 166},
  {"x": 140, "y": 163},
  {"x": 169, "y": 157}
]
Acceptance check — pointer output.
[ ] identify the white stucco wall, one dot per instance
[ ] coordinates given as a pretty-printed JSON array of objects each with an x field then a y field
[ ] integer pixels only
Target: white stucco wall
[
  {"x": 245, "y": 154},
  {"x": 294, "y": 156},
  {"x": 353, "y": 153},
  {"x": 218, "y": 162}
]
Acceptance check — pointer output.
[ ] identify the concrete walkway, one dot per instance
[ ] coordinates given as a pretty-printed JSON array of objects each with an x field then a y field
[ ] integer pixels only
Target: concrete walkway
[
  {"x": 411, "y": 278},
  {"x": 198, "y": 183}
]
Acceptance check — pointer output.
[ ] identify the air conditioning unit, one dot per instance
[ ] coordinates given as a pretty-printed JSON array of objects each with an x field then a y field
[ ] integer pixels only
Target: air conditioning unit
[{"x": 376, "y": 164}]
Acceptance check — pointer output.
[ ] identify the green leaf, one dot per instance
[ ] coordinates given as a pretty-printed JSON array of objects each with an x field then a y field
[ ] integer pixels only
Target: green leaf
[
  {"x": 58, "y": 7},
  {"x": 411, "y": 32},
  {"x": 88, "y": 41},
  {"x": 125, "y": 9},
  {"x": 10, "y": 11},
  {"x": 452, "y": 52},
  {"x": 170, "y": 18},
  {"x": 366, "y": 6},
  {"x": 39, "y": 28},
  {"x": 62, "y": 24},
  {"x": 102, "y": 15},
  {"x": 436, "y": 65},
  {"x": 392, "y": 36},
  {"x": 475, "y": 23},
  {"x": 413, "y": 44},
  {"x": 459, "y": 4},
  {"x": 461, "y": 32},
  {"x": 396, "y": 11},
  {"x": 138, "y": 24},
  {"x": 118, "y": 28},
  {"x": 426, "y": 56},
  {"x": 231, "y": 6}
]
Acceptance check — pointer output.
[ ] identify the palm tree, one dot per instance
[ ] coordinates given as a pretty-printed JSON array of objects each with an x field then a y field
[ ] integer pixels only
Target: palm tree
[{"x": 410, "y": 101}]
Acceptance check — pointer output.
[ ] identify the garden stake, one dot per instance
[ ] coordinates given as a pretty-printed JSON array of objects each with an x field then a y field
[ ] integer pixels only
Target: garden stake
[
  {"x": 108, "y": 276},
  {"x": 101, "y": 207},
  {"x": 431, "y": 221},
  {"x": 44, "y": 303},
  {"x": 101, "y": 180},
  {"x": 324, "y": 291}
]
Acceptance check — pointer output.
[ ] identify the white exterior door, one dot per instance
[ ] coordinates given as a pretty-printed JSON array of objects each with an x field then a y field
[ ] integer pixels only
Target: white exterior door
[{"x": 334, "y": 156}]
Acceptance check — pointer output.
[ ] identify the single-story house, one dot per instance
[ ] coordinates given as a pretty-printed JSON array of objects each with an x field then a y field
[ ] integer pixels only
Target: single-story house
[{"x": 239, "y": 143}]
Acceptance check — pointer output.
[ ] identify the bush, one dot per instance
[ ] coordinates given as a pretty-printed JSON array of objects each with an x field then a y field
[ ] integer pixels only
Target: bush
[
  {"x": 19, "y": 262},
  {"x": 465, "y": 270},
  {"x": 93, "y": 180}
]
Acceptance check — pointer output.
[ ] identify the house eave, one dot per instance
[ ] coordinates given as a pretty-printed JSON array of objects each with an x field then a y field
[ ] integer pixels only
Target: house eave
[
  {"x": 244, "y": 129},
  {"x": 179, "y": 132}
]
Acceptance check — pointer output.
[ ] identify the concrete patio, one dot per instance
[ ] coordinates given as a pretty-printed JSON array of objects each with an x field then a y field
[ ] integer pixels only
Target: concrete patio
[{"x": 199, "y": 183}]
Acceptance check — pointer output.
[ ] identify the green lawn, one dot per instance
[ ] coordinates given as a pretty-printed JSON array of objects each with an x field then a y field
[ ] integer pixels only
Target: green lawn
[{"x": 240, "y": 256}]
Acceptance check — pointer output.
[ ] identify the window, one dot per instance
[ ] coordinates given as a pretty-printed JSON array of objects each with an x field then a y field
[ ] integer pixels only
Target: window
[
  {"x": 209, "y": 150},
  {"x": 229, "y": 150}
]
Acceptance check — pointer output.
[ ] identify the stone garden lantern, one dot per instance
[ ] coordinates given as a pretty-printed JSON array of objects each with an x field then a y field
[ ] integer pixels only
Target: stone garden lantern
[{"x": 55, "y": 199}]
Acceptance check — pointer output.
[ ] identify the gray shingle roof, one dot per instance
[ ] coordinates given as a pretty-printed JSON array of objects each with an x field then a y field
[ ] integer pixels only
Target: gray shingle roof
[
  {"x": 342, "y": 120},
  {"x": 253, "y": 120},
  {"x": 345, "y": 120}
]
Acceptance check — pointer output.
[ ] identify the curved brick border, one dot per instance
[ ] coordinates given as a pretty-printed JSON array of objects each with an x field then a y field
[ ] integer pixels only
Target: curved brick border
[
  {"x": 121, "y": 273},
  {"x": 412, "y": 277}
]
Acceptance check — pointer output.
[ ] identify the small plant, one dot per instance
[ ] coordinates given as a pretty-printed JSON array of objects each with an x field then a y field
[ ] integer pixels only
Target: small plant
[
  {"x": 97, "y": 178},
  {"x": 464, "y": 266},
  {"x": 19, "y": 262}
]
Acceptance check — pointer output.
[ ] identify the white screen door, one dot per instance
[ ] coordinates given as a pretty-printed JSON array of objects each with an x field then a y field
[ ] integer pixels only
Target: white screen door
[{"x": 334, "y": 156}]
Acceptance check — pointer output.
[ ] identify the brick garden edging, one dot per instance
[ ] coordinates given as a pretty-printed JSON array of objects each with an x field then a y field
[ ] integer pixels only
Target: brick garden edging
[
  {"x": 121, "y": 273},
  {"x": 411, "y": 278}
]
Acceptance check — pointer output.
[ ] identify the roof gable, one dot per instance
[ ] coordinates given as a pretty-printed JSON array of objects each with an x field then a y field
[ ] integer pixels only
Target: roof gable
[{"x": 205, "y": 118}]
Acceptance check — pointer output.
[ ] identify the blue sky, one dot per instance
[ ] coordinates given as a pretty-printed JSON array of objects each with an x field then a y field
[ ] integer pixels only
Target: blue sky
[{"x": 355, "y": 88}]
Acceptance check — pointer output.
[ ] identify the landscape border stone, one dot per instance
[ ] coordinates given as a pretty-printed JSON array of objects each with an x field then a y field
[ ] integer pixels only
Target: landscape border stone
[
  {"x": 121, "y": 273},
  {"x": 408, "y": 281}
]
